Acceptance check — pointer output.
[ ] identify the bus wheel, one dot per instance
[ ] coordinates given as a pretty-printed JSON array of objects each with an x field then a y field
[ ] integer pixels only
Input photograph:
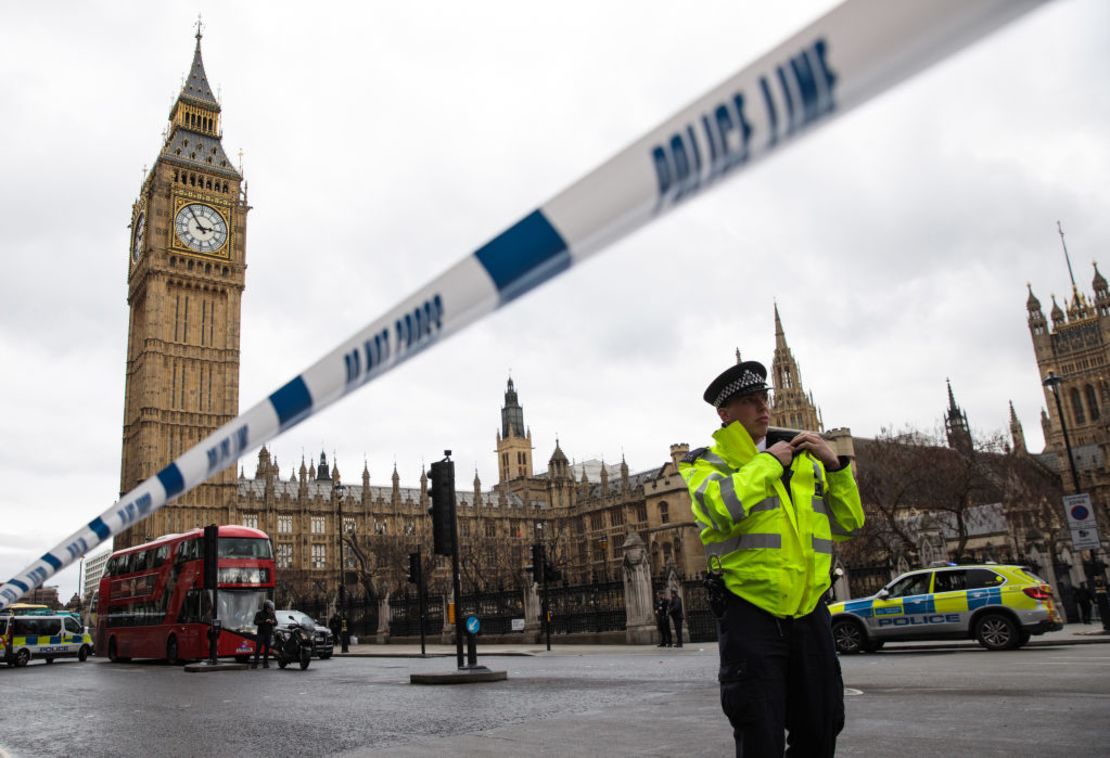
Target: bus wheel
[
  {"x": 22, "y": 658},
  {"x": 83, "y": 653},
  {"x": 243, "y": 658},
  {"x": 171, "y": 651},
  {"x": 49, "y": 660}
]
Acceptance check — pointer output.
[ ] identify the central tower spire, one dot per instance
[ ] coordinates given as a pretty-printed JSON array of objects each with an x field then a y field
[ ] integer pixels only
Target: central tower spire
[{"x": 792, "y": 407}]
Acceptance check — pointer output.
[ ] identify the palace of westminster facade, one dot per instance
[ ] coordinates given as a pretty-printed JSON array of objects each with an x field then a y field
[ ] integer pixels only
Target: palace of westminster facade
[{"x": 186, "y": 278}]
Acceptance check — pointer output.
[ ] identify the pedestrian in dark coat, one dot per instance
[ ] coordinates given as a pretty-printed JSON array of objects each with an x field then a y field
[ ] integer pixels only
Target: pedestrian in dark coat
[
  {"x": 676, "y": 616},
  {"x": 662, "y": 621},
  {"x": 1083, "y": 600},
  {"x": 265, "y": 621}
]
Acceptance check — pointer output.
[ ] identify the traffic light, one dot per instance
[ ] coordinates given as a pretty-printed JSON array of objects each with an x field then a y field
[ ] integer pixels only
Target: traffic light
[
  {"x": 414, "y": 568},
  {"x": 442, "y": 493},
  {"x": 539, "y": 562},
  {"x": 211, "y": 548}
]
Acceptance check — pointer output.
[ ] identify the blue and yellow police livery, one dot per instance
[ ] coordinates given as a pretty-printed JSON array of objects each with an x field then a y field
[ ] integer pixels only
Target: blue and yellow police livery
[
  {"x": 47, "y": 636},
  {"x": 1000, "y": 606}
]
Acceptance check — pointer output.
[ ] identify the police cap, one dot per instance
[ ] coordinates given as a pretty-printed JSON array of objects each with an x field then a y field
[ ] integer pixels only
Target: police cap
[{"x": 742, "y": 379}]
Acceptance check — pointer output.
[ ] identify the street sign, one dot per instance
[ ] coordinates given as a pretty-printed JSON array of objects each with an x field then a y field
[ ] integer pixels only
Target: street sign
[
  {"x": 1081, "y": 520},
  {"x": 472, "y": 624},
  {"x": 518, "y": 625}
]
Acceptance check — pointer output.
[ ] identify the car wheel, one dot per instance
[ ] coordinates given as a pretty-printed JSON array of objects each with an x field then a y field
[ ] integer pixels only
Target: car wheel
[
  {"x": 171, "y": 651},
  {"x": 83, "y": 653},
  {"x": 1023, "y": 637},
  {"x": 325, "y": 656},
  {"x": 22, "y": 658},
  {"x": 997, "y": 632},
  {"x": 848, "y": 636},
  {"x": 874, "y": 645}
]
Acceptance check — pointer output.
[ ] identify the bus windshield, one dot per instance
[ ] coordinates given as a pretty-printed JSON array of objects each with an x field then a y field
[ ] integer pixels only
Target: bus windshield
[
  {"x": 244, "y": 547},
  {"x": 236, "y": 608}
]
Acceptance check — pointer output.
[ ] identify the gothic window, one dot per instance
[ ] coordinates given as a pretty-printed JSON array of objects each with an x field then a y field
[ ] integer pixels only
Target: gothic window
[
  {"x": 284, "y": 555},
  {"x": 1077, "y": 407},
  {"x": 319, "y": 556},
  {"x": 410, "y": 527},
  {"x": 380, "y": 527},
  {"x": 616, "y": 517},
  {"x": 285, "y": 524},
  {"x": 641, "y": 512},
  {"x": 464, "y": 528},
  {"x": 251, "y": 520},
  {"x": 595, "y": 522},
  {"x": 348, "y": 525},
  {"x": 1092, "y": 402},
  {"x": 664, "y": 513},
  {"x": 317, "y": 524},
  {"x": 491, "y": 529}
]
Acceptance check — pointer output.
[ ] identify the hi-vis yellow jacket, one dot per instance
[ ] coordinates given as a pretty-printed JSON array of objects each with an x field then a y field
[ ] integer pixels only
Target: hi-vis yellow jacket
[{"x": 774, "y": 543}]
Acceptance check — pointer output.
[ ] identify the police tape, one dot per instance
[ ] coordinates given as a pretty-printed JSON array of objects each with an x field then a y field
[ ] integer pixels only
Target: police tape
[{"x": 855, "y": 52}]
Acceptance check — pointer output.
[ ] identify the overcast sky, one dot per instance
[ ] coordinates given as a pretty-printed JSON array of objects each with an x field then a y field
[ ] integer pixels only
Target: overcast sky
[{"x": 382, "y": 142}]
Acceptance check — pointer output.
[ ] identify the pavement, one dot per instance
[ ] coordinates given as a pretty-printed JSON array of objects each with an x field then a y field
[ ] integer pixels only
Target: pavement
[{"x": 1071, "y": 634}]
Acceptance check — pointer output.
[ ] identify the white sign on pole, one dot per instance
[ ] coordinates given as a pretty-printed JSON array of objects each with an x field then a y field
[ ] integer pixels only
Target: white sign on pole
[
  {"x": 518, "y": 625},
  {"x": 1081, "y": 520}
]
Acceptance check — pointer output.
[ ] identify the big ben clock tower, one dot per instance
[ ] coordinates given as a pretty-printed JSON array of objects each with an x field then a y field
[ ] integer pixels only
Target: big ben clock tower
[{"x": 185, "y": 280}]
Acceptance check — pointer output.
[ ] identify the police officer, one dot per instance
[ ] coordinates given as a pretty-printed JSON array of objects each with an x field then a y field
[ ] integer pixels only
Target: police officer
[
  {"x": 677, "y": 616},
  {"x": 264, "y": 620},
  {"x": 769, "y": 515},
  {"x": 662, "y": 622}
]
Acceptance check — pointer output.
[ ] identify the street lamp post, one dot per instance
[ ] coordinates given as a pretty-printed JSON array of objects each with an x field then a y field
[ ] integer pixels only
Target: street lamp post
[
  {"x": 1092, "y": 566},
  {"x": 339, "y": 490},
  {"x": 1053, "y": 382}
]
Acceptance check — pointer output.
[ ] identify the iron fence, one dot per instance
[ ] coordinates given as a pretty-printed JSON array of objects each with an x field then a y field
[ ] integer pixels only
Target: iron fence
[
  {"x": 867, "y": 580},
  {"x": 701, "y": 624},
  {"x": 404, "y": 615},
  {"x": 587, "y": 608},
  {"x": 496, "y": 610}
]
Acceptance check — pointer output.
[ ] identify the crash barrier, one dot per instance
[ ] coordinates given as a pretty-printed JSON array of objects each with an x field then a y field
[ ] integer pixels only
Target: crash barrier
[{"x": 843, "y": 59}]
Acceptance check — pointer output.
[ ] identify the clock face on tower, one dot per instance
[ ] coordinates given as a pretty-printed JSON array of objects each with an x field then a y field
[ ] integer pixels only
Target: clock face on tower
[
  {"x": 201, "y": 228},
  {"x": 137, "y": 238}
]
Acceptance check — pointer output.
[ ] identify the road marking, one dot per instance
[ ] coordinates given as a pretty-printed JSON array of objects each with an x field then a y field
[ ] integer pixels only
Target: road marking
[
  {"x": 852, "y": 691},
  {"x": 1064, "y": 660}
]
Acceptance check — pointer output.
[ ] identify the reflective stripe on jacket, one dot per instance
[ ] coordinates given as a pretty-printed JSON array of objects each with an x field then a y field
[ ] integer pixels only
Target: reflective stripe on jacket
[{"x": 775, "y": 546}]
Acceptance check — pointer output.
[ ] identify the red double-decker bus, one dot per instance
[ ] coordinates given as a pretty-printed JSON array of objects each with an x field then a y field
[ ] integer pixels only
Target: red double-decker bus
[{"x": 153, "y": 604}]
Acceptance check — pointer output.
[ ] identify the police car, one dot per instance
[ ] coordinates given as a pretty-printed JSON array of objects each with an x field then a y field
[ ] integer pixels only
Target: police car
[{"x": 1001, "y": 606}]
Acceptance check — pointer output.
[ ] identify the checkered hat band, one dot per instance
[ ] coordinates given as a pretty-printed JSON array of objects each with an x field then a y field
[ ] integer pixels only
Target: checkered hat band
[{"x": 749, "y": 379}]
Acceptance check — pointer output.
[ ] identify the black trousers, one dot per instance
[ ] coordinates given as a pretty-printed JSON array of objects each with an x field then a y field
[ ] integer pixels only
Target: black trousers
[
  {"x": 780, "y": 675},
  {"x": 664, "y": 631},
  {"x": 262, "y": 644},
  {"x": 1085, "y": 612},
  {"x": 677, "y": 629}
]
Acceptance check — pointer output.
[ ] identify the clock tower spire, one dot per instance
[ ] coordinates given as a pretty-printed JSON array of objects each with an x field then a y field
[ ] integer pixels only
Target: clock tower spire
[{"x": 186, "y": 275}]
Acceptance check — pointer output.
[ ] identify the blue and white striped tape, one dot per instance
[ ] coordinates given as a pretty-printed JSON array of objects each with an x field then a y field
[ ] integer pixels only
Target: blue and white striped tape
[{"x": 852, "y": 54}]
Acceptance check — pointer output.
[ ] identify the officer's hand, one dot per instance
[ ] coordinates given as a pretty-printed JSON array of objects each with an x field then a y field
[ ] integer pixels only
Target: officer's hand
[
  {"x": 816, "y": 445},
  {"x": 783, "y": 451}
]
